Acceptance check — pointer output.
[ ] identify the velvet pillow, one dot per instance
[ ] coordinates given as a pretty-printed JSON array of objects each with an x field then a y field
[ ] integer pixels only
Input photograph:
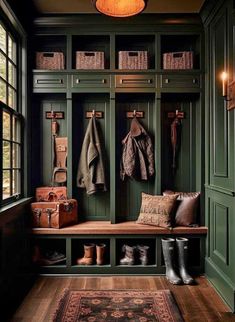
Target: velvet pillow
[
  {"x": 157, "y": 210},
  {"x": 186, "y": 212}
]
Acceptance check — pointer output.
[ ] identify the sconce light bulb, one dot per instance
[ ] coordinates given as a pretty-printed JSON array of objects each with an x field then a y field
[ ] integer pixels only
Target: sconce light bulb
[{"x": 224, "y": 76}]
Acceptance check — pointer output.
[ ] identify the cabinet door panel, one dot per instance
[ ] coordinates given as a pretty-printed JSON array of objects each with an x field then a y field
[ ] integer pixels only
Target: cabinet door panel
[{"x": 221, "y": 129}]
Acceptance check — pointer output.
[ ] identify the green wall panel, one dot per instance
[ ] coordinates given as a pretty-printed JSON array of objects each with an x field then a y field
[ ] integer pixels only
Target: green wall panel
[
  {"x": 129, "y": 191},
  {"x": 222, "y": 129},
  {"x": 184, "y": 176}
]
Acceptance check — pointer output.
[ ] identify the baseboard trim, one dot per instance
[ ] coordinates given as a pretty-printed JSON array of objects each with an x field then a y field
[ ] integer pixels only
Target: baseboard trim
[{"x": 222, "y": 284}]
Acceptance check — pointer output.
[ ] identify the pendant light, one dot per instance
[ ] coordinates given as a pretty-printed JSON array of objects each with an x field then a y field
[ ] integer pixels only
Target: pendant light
[{"x": 120, "y": 8}]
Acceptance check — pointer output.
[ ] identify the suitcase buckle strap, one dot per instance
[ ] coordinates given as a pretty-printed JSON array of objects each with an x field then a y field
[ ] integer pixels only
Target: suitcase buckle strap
[
  {"x": 68, "y": 206},
  {"x": 38, "y": 212},
  {"x": 49, "y": 212}
]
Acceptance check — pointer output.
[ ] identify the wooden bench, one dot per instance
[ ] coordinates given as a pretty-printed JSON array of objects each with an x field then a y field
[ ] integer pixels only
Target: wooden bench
[
  {"x": 129, "y": 227},
  {"x": 70, "y": 241}
]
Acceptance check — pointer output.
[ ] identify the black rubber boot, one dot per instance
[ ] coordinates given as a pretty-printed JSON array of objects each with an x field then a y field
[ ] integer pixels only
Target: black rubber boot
[
  {"x": 168, "y": 248},
  {"x": 182, "y": 246}
]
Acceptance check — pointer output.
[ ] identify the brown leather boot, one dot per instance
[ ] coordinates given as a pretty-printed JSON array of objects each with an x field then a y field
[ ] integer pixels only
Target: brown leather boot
[
  {"x": 100, "y": 250},
  {"x": 88, "y": 258}
]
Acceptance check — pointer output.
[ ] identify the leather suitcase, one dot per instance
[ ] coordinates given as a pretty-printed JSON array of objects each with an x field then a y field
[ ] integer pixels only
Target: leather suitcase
[
  {"x": 54, "y": 214},
  {"x": 51, "y": 193}
]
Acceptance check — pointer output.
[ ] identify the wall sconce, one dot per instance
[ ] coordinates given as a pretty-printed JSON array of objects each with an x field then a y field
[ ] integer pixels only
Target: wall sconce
[
  {"x": 224, "y": 77},
  {"x": 228, "y": 91}
]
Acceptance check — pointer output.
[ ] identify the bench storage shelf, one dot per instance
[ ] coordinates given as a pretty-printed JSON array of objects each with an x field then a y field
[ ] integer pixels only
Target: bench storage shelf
[{"x": 70, "y": 241}]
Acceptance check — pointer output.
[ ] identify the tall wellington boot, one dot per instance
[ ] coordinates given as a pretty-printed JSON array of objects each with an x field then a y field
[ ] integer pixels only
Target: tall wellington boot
[
  {"x": 129, "y": 257},
  {"x": 182, "y": 246},
  {"x": 168, "y": 245},
  {"x": 100, "y": 250},
  {"x": 88, "y": 258},
  {"x": 143, "y": 254}
]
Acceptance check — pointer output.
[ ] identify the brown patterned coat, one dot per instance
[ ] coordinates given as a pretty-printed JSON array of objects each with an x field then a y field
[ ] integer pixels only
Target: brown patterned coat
[{"x": 137, "y": 156}]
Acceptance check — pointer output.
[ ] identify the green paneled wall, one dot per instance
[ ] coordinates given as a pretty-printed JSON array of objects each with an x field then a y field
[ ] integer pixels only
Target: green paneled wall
[{"x": 220, "y": 188}]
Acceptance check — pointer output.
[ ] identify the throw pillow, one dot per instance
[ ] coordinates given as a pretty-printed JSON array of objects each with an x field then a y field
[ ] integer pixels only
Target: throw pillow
[
  {"x": 186, "y": 213},
  {"x": 156, "y": 210}
]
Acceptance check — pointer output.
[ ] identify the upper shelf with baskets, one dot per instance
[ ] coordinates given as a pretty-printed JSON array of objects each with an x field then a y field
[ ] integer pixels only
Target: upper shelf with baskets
[{"x": 129, "y": 52}]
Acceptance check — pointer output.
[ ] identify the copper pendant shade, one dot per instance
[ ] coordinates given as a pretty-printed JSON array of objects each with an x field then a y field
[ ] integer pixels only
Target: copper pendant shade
[{"x": 120, "y": 8}]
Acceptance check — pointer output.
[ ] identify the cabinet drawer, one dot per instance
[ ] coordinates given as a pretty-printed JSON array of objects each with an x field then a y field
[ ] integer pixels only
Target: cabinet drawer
[
  {"x": 90, "y": 81},
  {"x": 186, "y": 81},
  {"x": 135, "y": 81},
  {"x": 50, "y": 81}
]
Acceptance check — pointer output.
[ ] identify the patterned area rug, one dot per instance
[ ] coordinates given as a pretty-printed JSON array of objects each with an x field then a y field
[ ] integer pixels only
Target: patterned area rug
[{"x": 110, "y": 306}]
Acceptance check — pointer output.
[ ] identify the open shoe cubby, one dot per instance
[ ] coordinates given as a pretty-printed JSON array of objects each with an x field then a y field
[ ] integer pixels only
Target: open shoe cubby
[
  {"x": 78, "y": 249},
  {"x": 136, "y": 242}
]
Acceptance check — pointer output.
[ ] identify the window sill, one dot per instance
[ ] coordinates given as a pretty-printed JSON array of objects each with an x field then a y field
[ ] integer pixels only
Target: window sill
[{"x": 15, "y": 204}]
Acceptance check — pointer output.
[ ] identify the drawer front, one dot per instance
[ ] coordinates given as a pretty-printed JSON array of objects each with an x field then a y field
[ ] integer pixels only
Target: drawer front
[
  {"x": 147, "y": 81},
  {"x": 50, "y": 81},
  {"x": 186, "y": 81},
  {"x": 90, "y": 81}
]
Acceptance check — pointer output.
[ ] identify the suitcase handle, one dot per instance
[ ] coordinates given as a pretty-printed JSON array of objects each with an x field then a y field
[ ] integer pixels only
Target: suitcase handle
[{"x": 52, "y": 196}]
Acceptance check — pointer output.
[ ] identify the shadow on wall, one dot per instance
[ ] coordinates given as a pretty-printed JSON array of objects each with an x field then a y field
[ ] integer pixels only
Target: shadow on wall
[{"x": 21, "y": 12}]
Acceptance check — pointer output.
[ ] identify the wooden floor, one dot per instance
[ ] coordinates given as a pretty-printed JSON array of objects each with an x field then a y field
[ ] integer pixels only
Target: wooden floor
[{"x": 198, "y": 303}]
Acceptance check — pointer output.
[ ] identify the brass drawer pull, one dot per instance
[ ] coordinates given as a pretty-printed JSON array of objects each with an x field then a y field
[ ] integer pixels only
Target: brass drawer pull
[
  {"x": 135, "y": 81},
  {"x": 91, "y": 81},
  {"x": 49, "y": 81}
]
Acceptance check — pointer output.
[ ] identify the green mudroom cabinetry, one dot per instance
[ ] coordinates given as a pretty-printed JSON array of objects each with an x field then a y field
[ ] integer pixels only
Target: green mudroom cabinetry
[{"x": 114, "y": 92}]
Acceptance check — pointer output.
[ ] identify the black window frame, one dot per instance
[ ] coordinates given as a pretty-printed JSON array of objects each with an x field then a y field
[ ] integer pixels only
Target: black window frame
[{"x": 15, "y": 30}]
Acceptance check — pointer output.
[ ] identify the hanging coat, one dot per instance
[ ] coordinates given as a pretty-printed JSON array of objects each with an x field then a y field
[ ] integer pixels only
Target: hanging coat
[
  {"x": 91, "y": 175},
  {"x": 137, "y": 156},
  {"x": 175, "y": 140}
]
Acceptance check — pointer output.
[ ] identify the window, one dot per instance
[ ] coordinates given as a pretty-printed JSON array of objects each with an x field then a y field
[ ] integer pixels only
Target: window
[{"x": 11, "y": 143}]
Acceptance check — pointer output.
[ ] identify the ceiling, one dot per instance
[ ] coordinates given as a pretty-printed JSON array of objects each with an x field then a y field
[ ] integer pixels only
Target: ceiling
[{"x": 85, "y": 6}]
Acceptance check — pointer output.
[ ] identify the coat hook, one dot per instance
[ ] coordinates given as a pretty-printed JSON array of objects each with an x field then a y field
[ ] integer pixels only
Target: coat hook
[
  {"x": 134, "y": 113},
  {"x": 93, "y": 112},
  {"x": 176, "y": 113}
]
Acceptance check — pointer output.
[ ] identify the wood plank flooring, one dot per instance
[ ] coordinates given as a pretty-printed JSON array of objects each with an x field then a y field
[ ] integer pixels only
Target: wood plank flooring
[{"x": 198, "y": 303}]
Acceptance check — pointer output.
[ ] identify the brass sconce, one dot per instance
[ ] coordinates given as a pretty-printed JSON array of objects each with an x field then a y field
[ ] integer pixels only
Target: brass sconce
[{"x": 228, "y": 91}]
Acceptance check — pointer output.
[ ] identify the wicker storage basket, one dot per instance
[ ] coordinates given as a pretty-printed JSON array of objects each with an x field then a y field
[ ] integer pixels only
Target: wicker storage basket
[
  {"x": 49, "y": 60},
  {"x": 133, "y": 60},
  {"x": 178, "y": 60},
  {"x": 89, "y": 60}
]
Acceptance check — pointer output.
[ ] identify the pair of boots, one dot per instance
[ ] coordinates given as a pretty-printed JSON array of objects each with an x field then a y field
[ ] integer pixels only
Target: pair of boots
[
  {"x": 135, "y": 254},
  {"x": 168, "y": 247},
  {"x": 89, "y": 254}
]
